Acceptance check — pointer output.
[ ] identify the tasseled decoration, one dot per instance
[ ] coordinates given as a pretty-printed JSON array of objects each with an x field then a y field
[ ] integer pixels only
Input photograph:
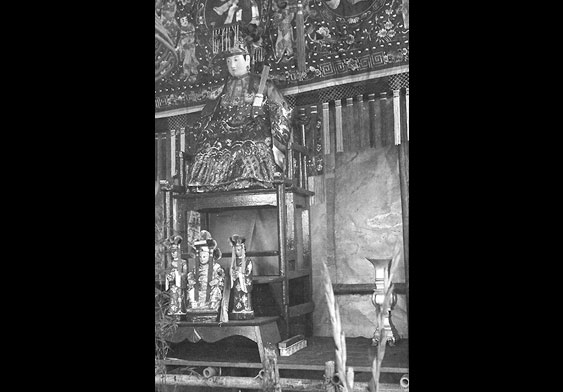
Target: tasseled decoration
[
  {"x": 181, "y": 173},
  {"x": 175, "y": 225},
  {"x": 397, "y": 116},
  {"x": 326, "y": 132},
  {"x": 182, "y": 139},
  {"x": 338, "y": 118},
  {"x": 257, "y": 54},
  {"x": 300, "y": 26},
  {"x": 173, "y": 150},
  {"x": 407, "y": 110},
  {"x": 311, "y": 187}
]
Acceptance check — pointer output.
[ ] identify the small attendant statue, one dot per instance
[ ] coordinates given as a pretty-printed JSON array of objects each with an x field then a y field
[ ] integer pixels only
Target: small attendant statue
[
  {"x": 241, "y": 281},
  {"x": 205, "y": 281},
  {"x": 175, "y": 279}
]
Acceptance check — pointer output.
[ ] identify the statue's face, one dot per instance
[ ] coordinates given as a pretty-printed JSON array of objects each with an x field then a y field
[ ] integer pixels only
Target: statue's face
[
  {"x": 204, "y": 255},
  {"x": 238, "y": 65},
  {"x": 175, "y": 252},
  {"x": 238, "y": 250}
]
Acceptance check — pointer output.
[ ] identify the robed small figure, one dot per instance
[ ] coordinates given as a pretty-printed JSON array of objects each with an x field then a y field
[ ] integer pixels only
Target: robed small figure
[
  {"x": 206, "y": 281},
  {"x": 175, "y": 283},
  {"x": 241, "y": 281}
]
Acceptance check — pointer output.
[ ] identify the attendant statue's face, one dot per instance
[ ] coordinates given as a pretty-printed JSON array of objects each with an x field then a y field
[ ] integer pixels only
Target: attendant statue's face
[
  {"x": 238, "y": 65},
  {"x": 204, "y": 255},
  {"x": 238, "y": 250}
]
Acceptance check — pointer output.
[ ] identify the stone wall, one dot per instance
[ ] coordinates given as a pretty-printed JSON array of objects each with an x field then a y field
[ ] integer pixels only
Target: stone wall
[{"x": 359, "y": 217}]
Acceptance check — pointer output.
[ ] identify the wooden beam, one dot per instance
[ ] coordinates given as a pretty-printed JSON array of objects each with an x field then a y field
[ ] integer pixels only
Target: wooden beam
[
  {"x": 354, "y": 288},
  {"x": 301, "y": 309},
  {"x": 294, "y": 384},
  {"x": 363, "y": 288}
]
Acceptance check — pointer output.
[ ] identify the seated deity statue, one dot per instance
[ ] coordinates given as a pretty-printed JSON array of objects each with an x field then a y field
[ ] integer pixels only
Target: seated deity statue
[
  {"x": 242, "y": 137},
  {"x": 206, "y": 281}
]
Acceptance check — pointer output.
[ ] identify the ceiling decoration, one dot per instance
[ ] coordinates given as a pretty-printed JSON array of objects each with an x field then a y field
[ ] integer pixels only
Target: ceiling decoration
[{"x": 302, "y": 41}]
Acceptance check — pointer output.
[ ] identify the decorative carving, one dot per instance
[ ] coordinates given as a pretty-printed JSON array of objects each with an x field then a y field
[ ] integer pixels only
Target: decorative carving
[{"x": 382, "y": 284}]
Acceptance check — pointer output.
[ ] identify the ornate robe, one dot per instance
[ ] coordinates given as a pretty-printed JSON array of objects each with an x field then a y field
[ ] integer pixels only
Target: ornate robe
[
  {"x": 205, "y": 287},
  {"x": 175, "y": 285},
  {"x": 241, "y": 287}
]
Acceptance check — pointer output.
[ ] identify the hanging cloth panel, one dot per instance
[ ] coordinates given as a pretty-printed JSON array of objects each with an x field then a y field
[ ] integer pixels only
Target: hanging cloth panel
[{"x": 397, "y": 117}]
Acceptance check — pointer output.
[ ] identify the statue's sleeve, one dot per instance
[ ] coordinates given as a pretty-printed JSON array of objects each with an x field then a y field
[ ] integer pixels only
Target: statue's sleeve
[
  {"x": 202, "y": 132},
  {"x": 280, "y": 116},
  {"x": 248, "y": 274}
]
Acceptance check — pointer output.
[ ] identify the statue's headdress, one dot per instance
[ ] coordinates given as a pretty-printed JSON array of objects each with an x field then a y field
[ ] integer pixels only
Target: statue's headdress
[
  {"x": 205, "y": 240},
  {"x": 236, "y": 239},
  {"x": 230, "y": 40},
  {"x": 173, "y": 242}
]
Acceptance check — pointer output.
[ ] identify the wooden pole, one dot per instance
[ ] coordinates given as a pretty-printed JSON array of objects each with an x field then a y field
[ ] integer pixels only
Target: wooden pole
[
  {"x": 403, "y": 150},
  {"x": 282, "y": 240}
]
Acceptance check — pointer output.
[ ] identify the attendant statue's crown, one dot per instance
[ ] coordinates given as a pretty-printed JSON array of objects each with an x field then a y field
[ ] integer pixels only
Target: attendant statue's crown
[
  {"x": 206, "y": 240},
  {"x": 173, "y": 242},
  {"x": 236, "y": 239}
]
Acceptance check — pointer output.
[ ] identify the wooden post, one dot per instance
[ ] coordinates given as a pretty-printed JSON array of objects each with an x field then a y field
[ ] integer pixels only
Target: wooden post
[
  {"x": 271, "y": 372},
  {"x": 403, "y": 150},
  {"x": 282, "y": 240},
  {"x": 290, "y": 158}
]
